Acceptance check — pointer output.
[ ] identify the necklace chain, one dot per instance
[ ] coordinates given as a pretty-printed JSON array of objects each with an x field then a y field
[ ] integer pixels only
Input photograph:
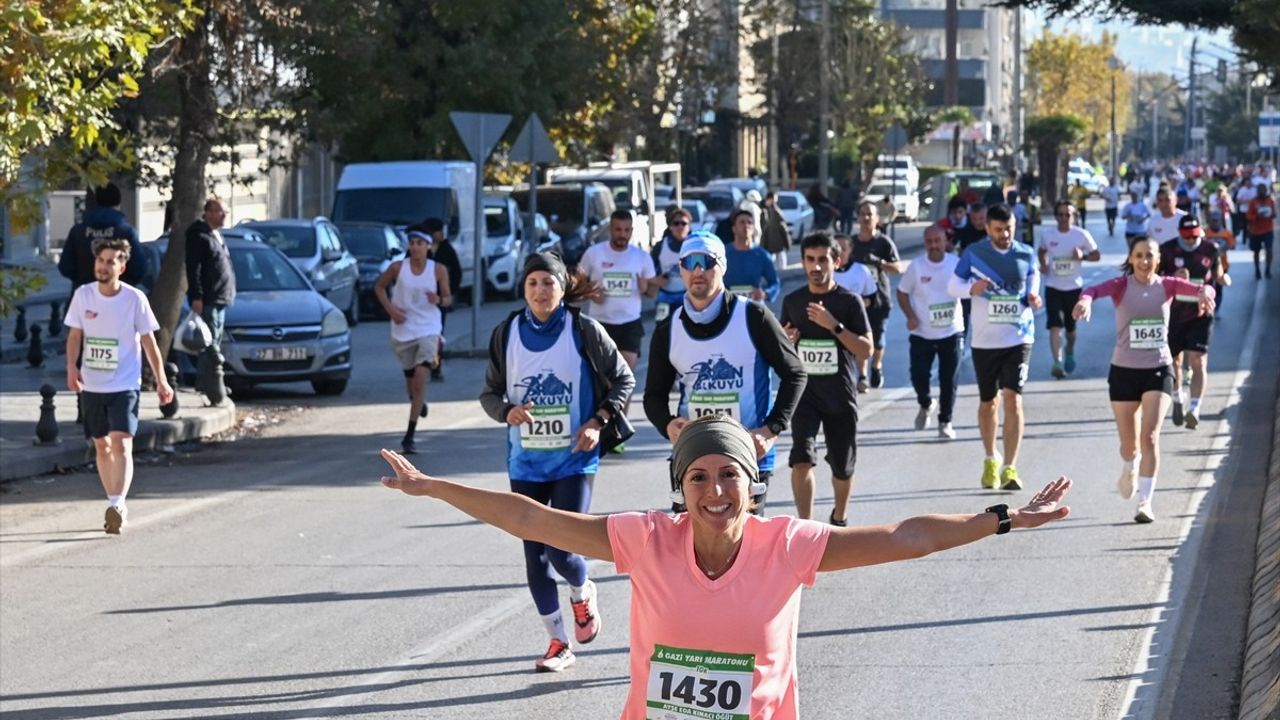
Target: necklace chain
[{"x": 716, "y": 573}]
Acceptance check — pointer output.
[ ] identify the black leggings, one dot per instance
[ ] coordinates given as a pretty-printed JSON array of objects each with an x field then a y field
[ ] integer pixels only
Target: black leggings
[{"x": 572, "y": 494}]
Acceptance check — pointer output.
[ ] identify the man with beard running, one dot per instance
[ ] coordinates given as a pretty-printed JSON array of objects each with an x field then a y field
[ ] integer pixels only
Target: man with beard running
[
  {"x": 1189, "y": 257},
  {"x": 719, "y": 349},
  {"x": 829, "y": 326}
]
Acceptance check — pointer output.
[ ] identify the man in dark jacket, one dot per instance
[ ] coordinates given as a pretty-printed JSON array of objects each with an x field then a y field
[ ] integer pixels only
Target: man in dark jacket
[
  {"x": 442, "y": 252},
  {"x": 211, "y": 289},
  {"x": 103, "y": 221}
]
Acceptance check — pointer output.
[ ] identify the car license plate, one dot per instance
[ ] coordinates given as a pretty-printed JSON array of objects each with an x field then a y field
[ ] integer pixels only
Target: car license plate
[{"x": 280, "y": 353}]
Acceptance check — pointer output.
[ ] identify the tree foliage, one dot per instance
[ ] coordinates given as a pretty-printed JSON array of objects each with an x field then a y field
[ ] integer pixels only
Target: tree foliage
[
  {"x": 377, "y": 81},
  {"x": 1069, "y": 74},
  {"x": 1051, "y": 135},
  {"x": 1229, "y": 123},
  {"x": 1254, "y": 24},
  {"x": 875, "y": 80},
  {"x": 67, "y": 66}
]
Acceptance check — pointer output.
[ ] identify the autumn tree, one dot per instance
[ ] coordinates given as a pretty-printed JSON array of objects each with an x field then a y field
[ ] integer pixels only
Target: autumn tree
[
  {"x": 1052, "y": 136},
  {"x": 1230, "y": 122},
  {"x": 68, "y": 66},
  {"x": 1068, "y": 74}
]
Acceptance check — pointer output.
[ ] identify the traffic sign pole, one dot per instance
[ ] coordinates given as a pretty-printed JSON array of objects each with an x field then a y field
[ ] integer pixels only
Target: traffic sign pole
[{"x": 479, "y": 133}]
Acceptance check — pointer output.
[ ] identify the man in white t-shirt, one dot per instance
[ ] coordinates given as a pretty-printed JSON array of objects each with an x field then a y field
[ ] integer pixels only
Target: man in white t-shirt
[
  {"x": 1164, "y": 223},
  {"x": 936, "y": 328},
  {"x": 1061, "y": 252},
  {"x": 113, "y": 323},
  {"x": 620, "y": 274},
  {"x": 1111, "y": 198}
]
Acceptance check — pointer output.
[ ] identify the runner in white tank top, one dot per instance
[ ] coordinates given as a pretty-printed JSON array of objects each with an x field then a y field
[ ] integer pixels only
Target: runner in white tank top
[{"x": 421, "y": 289}]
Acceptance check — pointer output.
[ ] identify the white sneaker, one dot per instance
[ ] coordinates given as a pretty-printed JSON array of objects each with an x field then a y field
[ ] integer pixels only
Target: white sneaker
[
  {"x": 922, "y": 416},
  {"x": 1125, "y": 484},
  {"x": 1144, "y": 514},
  {"x": 558, "y": 657},
  {"x": 946, "y": 431}
]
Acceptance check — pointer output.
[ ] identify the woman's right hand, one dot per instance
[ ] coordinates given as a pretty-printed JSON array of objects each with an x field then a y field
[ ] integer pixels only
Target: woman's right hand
[
  {"x": 519, "y": 414},
  {"x": 408, "y": 479}
]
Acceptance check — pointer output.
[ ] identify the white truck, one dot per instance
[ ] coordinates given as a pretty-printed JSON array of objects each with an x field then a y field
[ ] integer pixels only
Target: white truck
[
  {"x": 633, "y": 185},
  {"x": 406, "y": 193}
]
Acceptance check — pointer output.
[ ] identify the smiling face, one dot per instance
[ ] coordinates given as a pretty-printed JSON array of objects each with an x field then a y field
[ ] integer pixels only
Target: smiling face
[
  {"x": 716, "y": 494},
  {"x": 1144, "y": 257},
  {"x": 543, "y": 293}
]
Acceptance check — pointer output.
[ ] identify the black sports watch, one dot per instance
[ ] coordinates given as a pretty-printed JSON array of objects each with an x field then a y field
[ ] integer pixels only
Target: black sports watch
[
  {"x": 1002, "y": 512},
  {"x": 599, "y": 417},
  {"x": 776, "y": 428},
  {"x": 839, "y": 328}
]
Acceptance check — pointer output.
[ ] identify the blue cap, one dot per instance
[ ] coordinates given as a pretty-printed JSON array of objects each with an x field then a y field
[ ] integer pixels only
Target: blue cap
[{"x": 701, "y": 241}]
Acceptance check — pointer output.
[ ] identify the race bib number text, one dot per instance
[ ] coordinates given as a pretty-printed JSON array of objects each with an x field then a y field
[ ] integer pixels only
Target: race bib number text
[
  {"x": 713, "y": 403},
  {"x": 942, "y": 315},
  {"x": 1065, "y": 266},
  {"x": 1004, "y": 309},
  {"x": 1147, "y": 333},
  {"x": 102, "y": 353},
  {"x": 819, "y": 357},
  {"x": 547, "y": 430},
  {"x": 699, "y": 684},
  {"x": 618, "y": 284}
]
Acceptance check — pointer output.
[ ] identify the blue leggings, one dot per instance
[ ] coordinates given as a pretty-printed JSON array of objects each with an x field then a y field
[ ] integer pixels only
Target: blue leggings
[{"x": 573, "y": 494}]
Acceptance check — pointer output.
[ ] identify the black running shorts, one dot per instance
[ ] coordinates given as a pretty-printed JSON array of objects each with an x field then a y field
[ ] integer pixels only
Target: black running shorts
[{"x": 998, "y": 368}]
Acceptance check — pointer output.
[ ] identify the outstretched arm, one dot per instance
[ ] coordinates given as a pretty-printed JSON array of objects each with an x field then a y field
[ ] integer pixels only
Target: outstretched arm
[
  {"x": 516, "y": 514},
  {"x": 926, "y": 534}
]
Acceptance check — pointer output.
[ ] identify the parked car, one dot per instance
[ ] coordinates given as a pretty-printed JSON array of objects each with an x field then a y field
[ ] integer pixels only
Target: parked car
[
  {"x": 315, "y": 246},
  {"x": 504, "y": 248},
  {"x": 375, "y": 246},
  {"x": 900, "y": 168},
  {"x": 744, "y": 185},
  {"x": 629, "y": 186},
  {"x": 1089, "y": 177},
  {"x": 797, "y": 211},
  {"x": 544, "y": 238},
  {"x": 578, "y": 213},
  {"x": 943, "y": 186},
  {"x": 155, "y": 252},
  {"x": 905, "y": 202},
  {"x": 700, "y": 216},
  {"x": 721, "y": 200},
  {"x": 279, "y": 329}
]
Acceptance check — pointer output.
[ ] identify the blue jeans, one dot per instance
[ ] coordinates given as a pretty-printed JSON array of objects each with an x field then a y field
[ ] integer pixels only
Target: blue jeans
[{"x": 215, "y": 316}]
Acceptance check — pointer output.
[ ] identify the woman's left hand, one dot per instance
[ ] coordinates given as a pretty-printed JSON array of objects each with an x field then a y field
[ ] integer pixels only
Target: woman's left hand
[
  {"x": 588, "y": 436},
  {"x": 408, "y": 479},
  {"x": 1044, "y": 506}
]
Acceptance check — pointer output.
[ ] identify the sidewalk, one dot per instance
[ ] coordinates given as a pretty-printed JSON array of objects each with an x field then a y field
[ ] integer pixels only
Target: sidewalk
[
  {"x": 20, "y": 410},
  {"x": 1260, "y": 685},
  {"x": 56, "y": 289}
]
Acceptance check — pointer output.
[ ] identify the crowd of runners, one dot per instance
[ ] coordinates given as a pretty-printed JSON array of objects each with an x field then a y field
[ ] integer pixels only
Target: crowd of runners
[{"x": 561, "y": 373}]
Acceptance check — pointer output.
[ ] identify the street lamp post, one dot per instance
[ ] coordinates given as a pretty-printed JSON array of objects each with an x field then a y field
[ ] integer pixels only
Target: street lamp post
[{"x": 1114, "y": 64}]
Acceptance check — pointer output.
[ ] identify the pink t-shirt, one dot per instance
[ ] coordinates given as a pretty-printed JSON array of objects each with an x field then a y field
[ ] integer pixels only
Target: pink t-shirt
[{"x": 752, "y": 610}]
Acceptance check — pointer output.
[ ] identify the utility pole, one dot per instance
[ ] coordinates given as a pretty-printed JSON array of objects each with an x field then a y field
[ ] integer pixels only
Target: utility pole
[
  {"x": 951, "y": 79},
  {"x": 1017, "y": 88},
  {"x": 775, "y": 151},
  {"x": 1191, "y": 103},
  {"x": 1111, "y": 141},
  {"x": 824, "y": 95}
]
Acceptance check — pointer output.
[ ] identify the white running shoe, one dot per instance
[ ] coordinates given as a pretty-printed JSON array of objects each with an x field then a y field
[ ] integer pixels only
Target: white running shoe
[
  {"x": 1125, "y": 484},
  {"x": 558, "y": 657},
  {"x": 1144, "y": 514},
  {"x": 946, "y": 431},
  {"x": 922, "y": 416}
]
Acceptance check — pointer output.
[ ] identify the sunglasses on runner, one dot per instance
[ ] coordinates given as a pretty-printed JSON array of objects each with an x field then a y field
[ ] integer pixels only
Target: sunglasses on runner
[
  {"x": 698, "y": 261},
  {"x": 678, "y": 223}
]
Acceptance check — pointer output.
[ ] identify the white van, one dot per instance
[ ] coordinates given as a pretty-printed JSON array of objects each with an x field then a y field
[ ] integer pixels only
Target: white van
[
  {"x": 406, "y": 193},
  {"x": 900, "y": 168},
  {"x": 634, "y": 188}
]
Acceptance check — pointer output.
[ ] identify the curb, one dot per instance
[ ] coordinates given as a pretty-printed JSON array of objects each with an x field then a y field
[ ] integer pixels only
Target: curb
[
  {"x": 1260, "y": 684},
  {"x": 156, "y": 434}
]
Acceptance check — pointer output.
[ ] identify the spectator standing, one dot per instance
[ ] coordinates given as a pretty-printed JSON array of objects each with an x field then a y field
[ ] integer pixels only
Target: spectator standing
[
  {"x": 775, "y": 237},
  {"x": 211, "y": 289},
  {"x": 104, "y": 221}
]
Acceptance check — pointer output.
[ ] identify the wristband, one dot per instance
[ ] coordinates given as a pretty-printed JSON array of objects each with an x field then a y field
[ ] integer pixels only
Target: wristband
[
  {"x": 1002, "y": 514},
  {"x": 599, "y": 417}
]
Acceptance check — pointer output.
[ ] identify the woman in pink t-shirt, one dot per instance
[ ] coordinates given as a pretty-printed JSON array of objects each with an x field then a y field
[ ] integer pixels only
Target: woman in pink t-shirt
[{"x": 715, "y": 598}]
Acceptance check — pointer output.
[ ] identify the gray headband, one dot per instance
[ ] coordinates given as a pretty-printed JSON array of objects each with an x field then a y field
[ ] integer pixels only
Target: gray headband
[
  {"x": 714, "y": 435},
  {"x": 548, "y": 263}
]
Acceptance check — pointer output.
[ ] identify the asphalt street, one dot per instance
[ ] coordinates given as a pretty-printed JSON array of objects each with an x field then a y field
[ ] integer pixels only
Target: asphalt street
[{"x": 273, "y": 577}]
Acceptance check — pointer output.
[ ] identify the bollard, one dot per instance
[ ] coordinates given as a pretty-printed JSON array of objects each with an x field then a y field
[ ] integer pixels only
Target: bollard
[
  {"x": 55, "y": 319},
  {"x": 35, "y": 353},
  {"x": 170, "y": 408},
  {"x": 47, "y": 425},
  {"x": 209, "y": 375},
  {"x": 20, "y": 327}
]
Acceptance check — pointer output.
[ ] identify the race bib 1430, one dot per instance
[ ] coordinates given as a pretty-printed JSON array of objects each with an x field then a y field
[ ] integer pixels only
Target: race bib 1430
[{"x": 698, "y": 684}]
